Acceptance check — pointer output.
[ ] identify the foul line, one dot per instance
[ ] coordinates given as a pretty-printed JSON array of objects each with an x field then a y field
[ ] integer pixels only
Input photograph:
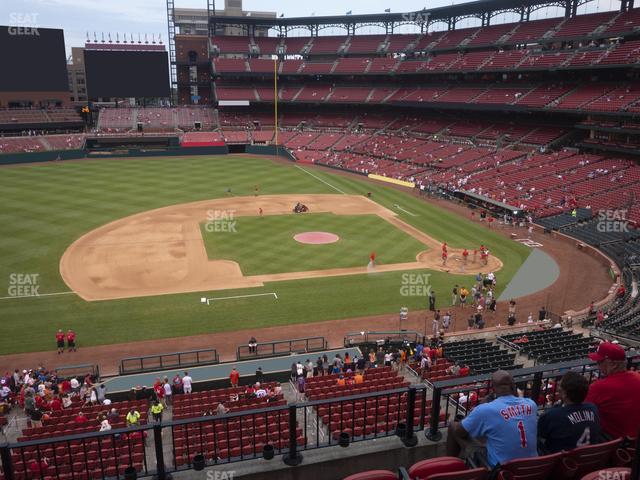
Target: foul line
[
  {"x": 405, "y": 211},
  {"x": 36, "y": 296},
  {"x": 242, "y": 296},
  {"x": 318, "y": 178}
]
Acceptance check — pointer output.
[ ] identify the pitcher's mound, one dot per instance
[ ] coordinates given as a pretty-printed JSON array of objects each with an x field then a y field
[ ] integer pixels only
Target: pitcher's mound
[{"x": 316, "y": 238}]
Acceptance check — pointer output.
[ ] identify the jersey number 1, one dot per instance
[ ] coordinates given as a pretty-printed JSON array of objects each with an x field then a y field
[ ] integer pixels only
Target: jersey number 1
[{"x": 523, "y": 435}]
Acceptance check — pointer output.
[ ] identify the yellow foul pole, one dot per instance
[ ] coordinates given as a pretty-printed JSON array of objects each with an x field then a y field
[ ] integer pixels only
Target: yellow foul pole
[{"x": 275, "y": 98}]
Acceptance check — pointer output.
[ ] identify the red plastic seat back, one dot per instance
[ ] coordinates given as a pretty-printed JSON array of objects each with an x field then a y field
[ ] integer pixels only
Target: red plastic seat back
[
  {"x": 373, "y": 475},
  {"x": 593, "y": 457},
  {"x": 432, "y": 466},
  {"x": 475, "y": 474},
  {"x": 535, "y": 468}
]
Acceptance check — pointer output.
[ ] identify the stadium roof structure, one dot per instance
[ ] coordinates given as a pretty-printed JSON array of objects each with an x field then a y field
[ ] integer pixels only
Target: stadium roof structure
[{"x": 483, "y": 9}]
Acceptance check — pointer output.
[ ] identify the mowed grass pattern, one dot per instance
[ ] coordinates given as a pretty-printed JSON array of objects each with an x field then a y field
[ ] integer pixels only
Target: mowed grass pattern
[
  {"x": 263, "y": 245},
  {"x": 46, "y": 207}
]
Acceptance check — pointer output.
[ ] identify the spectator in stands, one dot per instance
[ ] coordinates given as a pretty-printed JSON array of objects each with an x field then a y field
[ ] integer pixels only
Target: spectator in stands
[
  {"x": 81, "y": 418},
  {"x": 35, "y": 415},
  {"x": 308, "y": 368},
  {"x": 259, "y": 375},
  {"x": 542, "y": 314},
  {"x": 453, "y": 369},
  {"x": 113, "y": 416},
  {"x": 319, "y": 368},
  {"x": 234, "y": 377},
  {"x": 177, "y": 383},
  {"x": 101, "y": 392},
  {"x": 260, "y": 392},
  {"x": 301, "y": 384},
  {"x": 105, "y": 426},
  {"x": 616, "y": 395},
  {"x": 509, "y": 424},
  {"x": 388, "y": 358},
  {"x": 300, "y": 370},
  {"x": 380, "y": 358},
  {"x": 168, "y": 393},
  {"x": 573, "y": 424},
  {"x": 39, "y": 468},
  {"x": 187, "y": 383},
  {"x": 221, "y": 410}
]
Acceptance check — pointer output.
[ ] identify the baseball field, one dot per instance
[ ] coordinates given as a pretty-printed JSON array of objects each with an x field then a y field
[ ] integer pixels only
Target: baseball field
[{"x": 132, "y": 225}]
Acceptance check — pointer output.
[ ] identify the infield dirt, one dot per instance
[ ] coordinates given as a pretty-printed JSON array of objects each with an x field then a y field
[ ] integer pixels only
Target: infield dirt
[{"x": 162, "y": 251}]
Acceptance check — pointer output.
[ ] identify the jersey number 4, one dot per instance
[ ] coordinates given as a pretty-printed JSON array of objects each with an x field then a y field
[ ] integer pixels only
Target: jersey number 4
[
  {"x": 523, "y": 435},
  {"x": 585, "y": 438}
]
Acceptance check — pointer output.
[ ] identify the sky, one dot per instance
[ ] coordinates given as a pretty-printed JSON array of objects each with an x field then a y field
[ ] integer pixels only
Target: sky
[{"x": 140, "y": 17}]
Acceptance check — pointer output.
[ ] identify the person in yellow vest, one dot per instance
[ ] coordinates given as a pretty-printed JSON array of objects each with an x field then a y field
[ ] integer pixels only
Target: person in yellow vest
[
  {"x": 133, "y": 418},
  {"x": 156, "y": 410},
  {"x": 574, "y": 213}
]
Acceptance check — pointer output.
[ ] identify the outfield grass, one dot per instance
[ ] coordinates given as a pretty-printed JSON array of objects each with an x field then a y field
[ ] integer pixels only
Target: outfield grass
[
  {"x": 46, "y": 207},
  {"x": 263, "y": 245}
]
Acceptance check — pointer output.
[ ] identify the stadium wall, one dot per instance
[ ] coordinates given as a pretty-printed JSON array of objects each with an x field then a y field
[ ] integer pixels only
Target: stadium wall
[
  {"x": 36, "y": 157},
  {"x": 50, "y": 156}
]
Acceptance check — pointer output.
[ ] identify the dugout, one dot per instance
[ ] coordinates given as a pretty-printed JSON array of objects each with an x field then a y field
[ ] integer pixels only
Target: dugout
[{"x": 473, "y": 200}]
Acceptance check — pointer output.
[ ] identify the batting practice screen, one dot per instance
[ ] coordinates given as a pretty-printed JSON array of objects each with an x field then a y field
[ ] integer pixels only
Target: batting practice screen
[
  {"x": 126, "y": 74},
  {"x": 32, "y": 60}
]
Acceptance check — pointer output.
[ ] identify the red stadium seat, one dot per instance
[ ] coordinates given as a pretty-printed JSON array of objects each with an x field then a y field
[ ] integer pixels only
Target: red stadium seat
[
  {"x": 609, "y": 473},
  {"x": 474, "y": 474},
  {"x": 593, "y": 457},
  {"x": 535, "y": 468},
  {"x": 373, "y": 475},
  {"x": 445, "y": 468}
]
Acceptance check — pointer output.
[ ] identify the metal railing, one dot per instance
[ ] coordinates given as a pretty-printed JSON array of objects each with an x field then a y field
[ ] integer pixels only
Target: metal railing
[
  {"x": 358, "y": 338},
  {"x": 282, "y": 347},
  {"x": 150, "y": 363},
  {"x": 533, "y": 382},
  {"x": 157, "y": 449}
]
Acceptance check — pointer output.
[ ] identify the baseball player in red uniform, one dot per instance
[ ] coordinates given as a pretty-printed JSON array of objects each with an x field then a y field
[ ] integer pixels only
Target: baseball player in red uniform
[
  {"x": 444, "y": 256},
  {"x": 60, "y": 341},
  {"x": 465, "y": 256}
]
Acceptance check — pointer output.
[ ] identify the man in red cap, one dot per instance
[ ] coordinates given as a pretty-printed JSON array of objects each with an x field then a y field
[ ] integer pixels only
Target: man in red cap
[{"x": 617, "y": 392}]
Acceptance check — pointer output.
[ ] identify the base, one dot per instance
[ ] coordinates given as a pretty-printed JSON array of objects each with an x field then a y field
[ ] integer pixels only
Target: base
[
  {"x": 410, "y": 442},
  {"x": 292, "y": 462},
  {"x": 436, "y": 437}
]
